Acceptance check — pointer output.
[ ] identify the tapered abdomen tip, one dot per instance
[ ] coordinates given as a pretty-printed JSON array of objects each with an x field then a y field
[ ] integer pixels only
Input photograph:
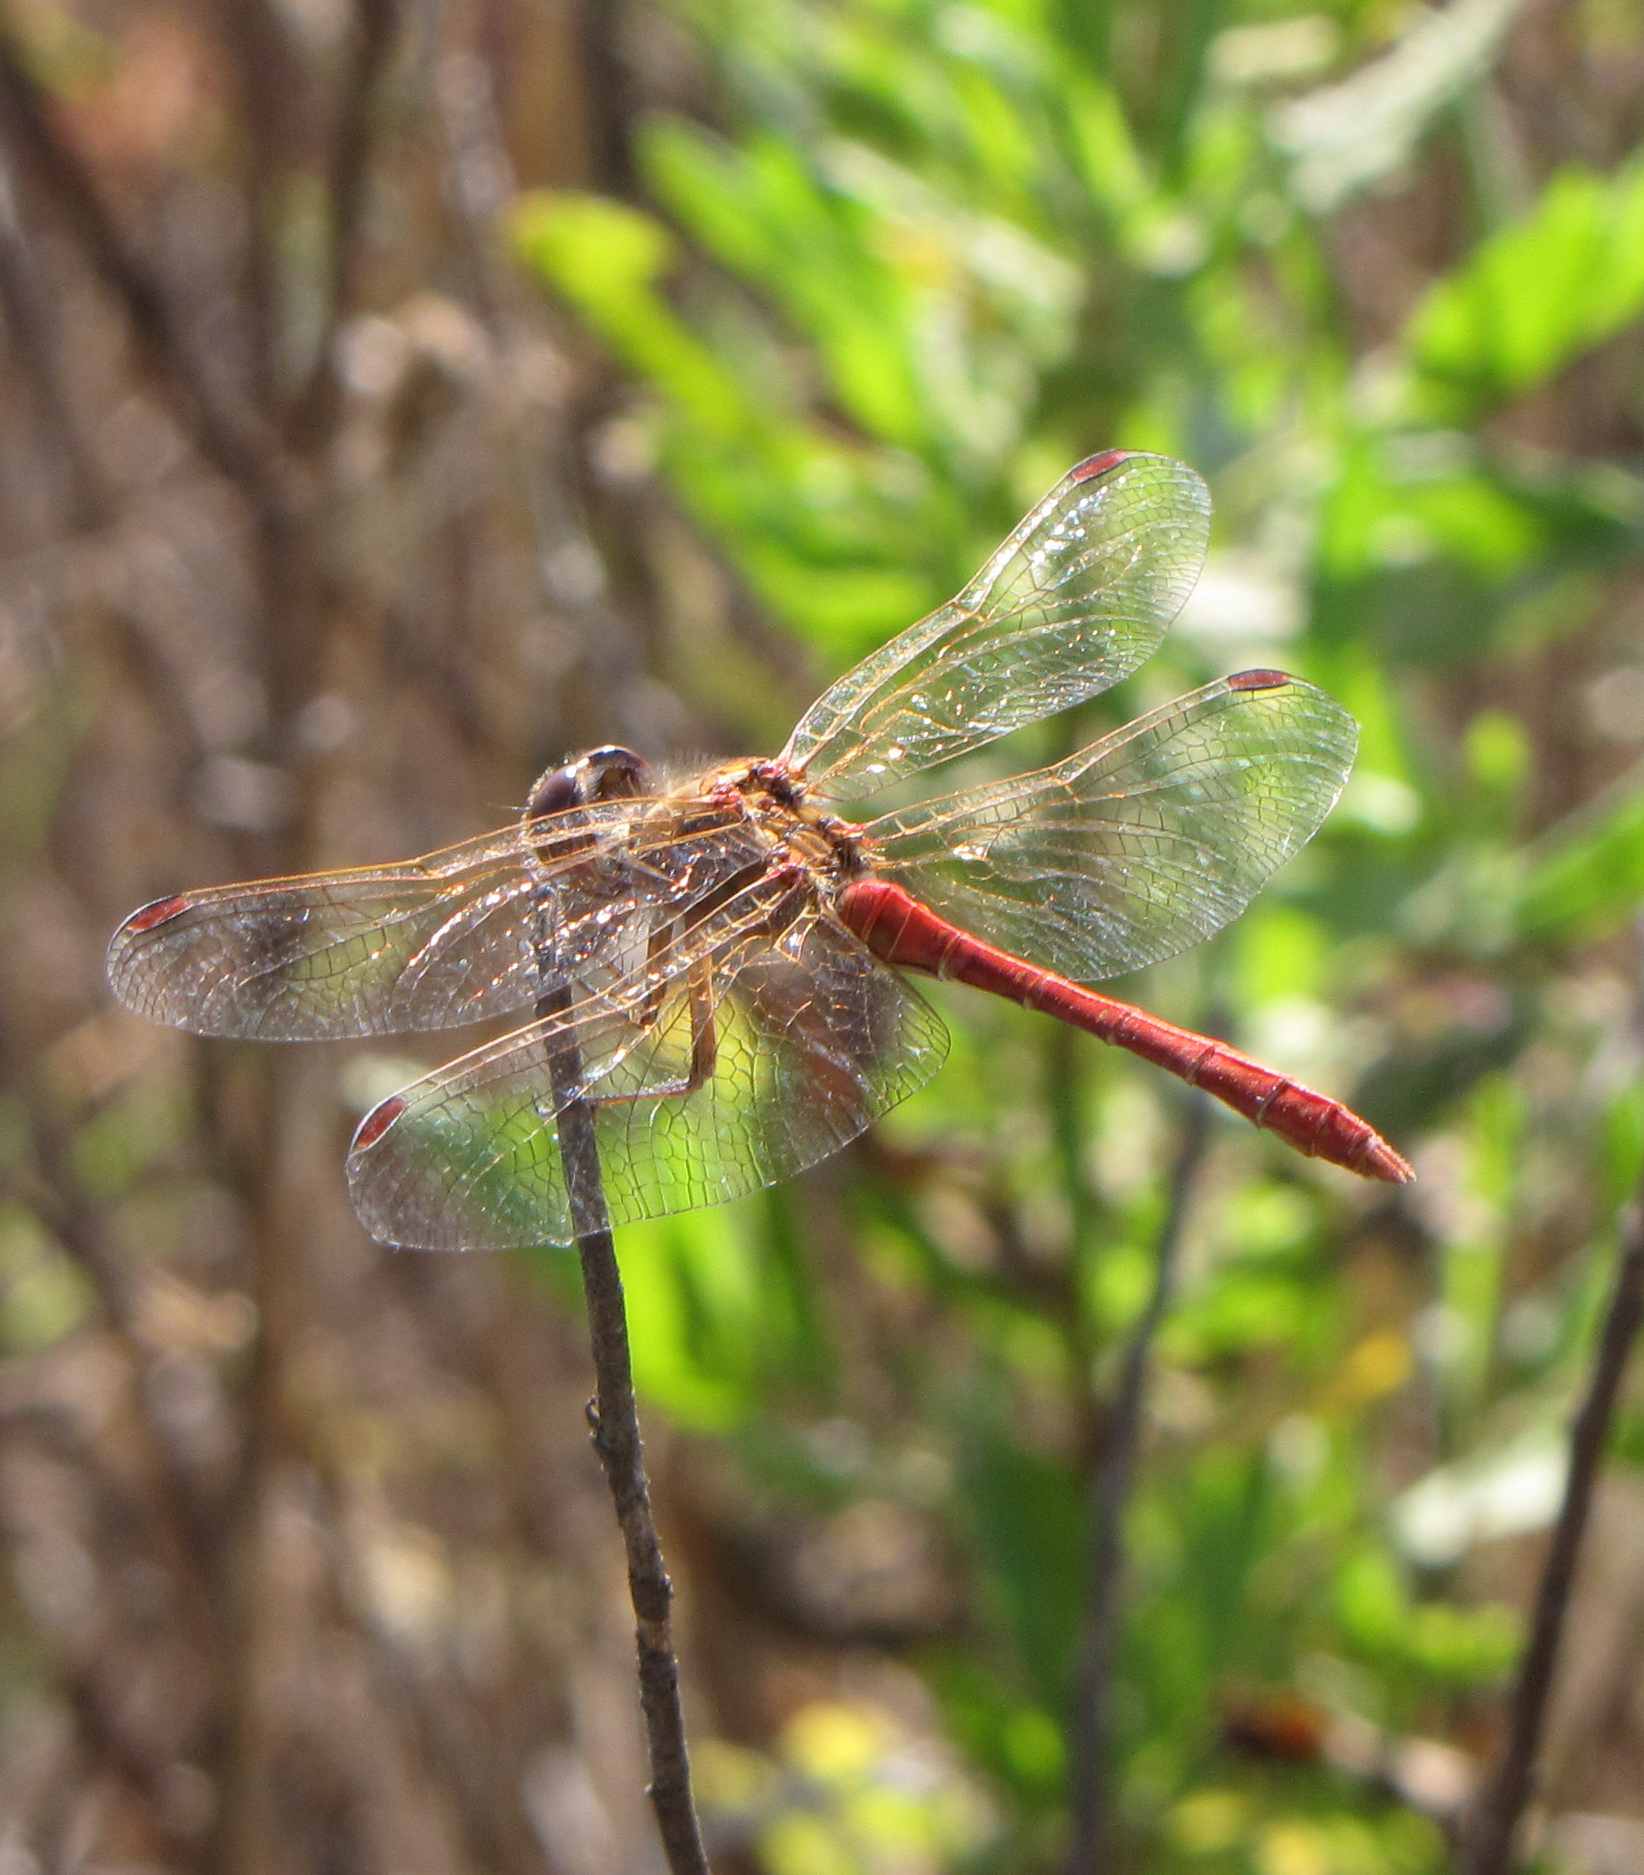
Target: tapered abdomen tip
[{"x": 1382, "y": 1161}]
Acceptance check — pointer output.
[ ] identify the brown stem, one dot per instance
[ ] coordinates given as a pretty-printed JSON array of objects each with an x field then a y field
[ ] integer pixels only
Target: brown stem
[
  {"x": 1493, "y": 1826},
  {"x": 268, "y": 80},
  {"x": 375, "y": 20},
  {"x": 226, "y": 436},
  {"x": 36, "y": 333},
  {"x": 607, "y": 89},
  {"x": 1109, "y": 1494},
  {"x": 614, "y": 1418},
  {"x": 293, "y": 614}
]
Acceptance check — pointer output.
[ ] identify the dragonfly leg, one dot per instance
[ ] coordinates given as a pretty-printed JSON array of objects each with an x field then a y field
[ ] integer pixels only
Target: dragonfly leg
[
  {"x": 704, "y": 1045},
  {"x": 655, "y": 951},
  {"x": 704, "y": 1022}
]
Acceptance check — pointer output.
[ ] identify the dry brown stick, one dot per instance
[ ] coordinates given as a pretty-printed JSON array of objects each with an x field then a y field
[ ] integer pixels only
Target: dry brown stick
[
  {"x": 36, "y": 331},
  {"x": 1109, "y": 1494},
  {"x": 466, "y": 117},
  {"x": 224, "y": 435},
  {"x": 456, "y": 1759},
  {"x": 269, "y": 80},
  {"x": 1493, "y": 1826},
  {"x": 182, "y": 1509},
  {"x": 614, "y": 1419},
  {"x": 314, "y": 411},
  {"x": 607, "y": 95},
  {"x": 293, "y": 607}
]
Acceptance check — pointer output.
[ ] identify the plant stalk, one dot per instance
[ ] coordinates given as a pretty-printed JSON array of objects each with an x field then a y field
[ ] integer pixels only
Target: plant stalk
[
  {"x": 1493, "y": 1827},
  {"x": 613, "y": 1418}
]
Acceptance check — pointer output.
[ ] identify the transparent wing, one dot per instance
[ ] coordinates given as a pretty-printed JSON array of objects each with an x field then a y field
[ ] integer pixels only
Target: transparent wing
[
  {"x": 423, "y": 944},
  {"x": 1140, "y": 845},
  {"x": 810, "y": 1038},
  {"x": 1078, "y": 596}
]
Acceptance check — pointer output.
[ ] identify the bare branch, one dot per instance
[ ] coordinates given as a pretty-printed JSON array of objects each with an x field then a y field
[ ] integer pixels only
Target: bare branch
[
  {"x": 376, "y": 21},
  {"x": 607, "y": 92},
  {"x": 1493, "y": 1827},
  {"x": 1110, "y": 1486},
  {"x": 614, "y": 1418},
  {"x": 35, "y": 334},
  {"x": 267, "y": 79},
  {"x": 226, "y": 436}
]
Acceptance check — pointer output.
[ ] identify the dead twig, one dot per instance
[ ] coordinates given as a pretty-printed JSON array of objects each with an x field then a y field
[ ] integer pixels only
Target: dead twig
[
  {"x": 1493, "y": 1827},
  {"x": 1109, "y": 1494},
  {"x": 35, "y": 333},
  {"x": 225, "y": 436},
  {"x": 614, "y": 1418},
  {"x": 268, "y": 78},
  {"x": 314, "y": 412}
]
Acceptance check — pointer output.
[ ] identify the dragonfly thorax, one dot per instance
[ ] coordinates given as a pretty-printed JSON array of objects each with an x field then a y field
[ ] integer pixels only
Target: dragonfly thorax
[{"x": 772, "y": 798}]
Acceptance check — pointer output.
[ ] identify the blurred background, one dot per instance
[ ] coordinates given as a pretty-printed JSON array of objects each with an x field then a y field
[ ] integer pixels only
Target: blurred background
[{"x": 402, "y": 394}]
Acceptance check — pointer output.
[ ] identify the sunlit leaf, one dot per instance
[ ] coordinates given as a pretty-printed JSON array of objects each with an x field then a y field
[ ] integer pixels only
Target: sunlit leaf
[
  {"x": 1428, "y": 547},
  {"x": 1587, "y": 879},
  {"x": 43, "y": 1295},
  {"x": 606, "y": 259},
  {"x": 1532, "y": 298}
]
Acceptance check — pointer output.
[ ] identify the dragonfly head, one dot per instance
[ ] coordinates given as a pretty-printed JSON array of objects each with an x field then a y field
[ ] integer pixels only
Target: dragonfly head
[{"x": 610, "y": 773}]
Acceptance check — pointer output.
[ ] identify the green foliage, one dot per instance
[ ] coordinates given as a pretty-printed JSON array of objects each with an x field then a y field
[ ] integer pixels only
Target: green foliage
[
  {"x": 1531, "y": 299},
  {"x": 1590, "y": 876},
  {"x": 43, "y": 1297},
  {"x": 932, "y": 255}
]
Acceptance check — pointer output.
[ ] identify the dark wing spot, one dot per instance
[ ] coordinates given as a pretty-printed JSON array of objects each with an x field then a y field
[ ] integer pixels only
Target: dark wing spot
[
  {"x": 377, "y": 1122},
  {"x": 1092, "y": 466},
  {"x": 160, "y": 911}
]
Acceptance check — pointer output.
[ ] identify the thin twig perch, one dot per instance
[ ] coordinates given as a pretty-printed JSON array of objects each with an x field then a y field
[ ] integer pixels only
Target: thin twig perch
[
  {"x": 614, "y": 1418},
  {"x": 1109, "y": 1494},
  {"x": 1493, "y": 1827}
]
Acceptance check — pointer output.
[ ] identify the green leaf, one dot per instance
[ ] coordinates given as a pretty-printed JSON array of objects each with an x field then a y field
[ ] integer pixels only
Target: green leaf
[
  {"x": 1622, "y": 1147},
  {"x": 1431, "y": 549},
  {"x": 1026, "y": 1524},
  {"x": 1430, "y": 1640},
  {"x": 1589, "y": 879},
  {"x": 1532, "y": 299},
  {"x": 606, "y": 260},
  {"x": 764, "y": 211},
  {"x": 601, "y": 249},
  {"x": 43, "y": 1296},
  {"x": 1199, "y": 1534}
]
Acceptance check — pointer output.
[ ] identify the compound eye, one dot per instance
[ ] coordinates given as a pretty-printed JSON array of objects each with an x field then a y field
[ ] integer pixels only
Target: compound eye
[
  {"x": 616, "y": 772},
  {"x": 555, "y": 790}
]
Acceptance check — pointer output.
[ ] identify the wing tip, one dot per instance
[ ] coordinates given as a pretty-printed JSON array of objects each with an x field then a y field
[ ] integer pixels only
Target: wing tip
[
  {"x": 157, "y": 913},
  {"x": 1260, "y": 680},
  {"x": 1105, "y": 461}
]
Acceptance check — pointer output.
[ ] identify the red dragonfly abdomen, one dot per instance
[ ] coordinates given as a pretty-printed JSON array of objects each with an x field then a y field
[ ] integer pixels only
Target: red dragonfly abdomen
[{"x": 897, "y": 927}]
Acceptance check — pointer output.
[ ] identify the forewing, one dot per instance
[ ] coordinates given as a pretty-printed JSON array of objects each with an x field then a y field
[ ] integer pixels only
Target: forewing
[
  {"x": 814, "y": 1039},
  {"x": 1078, "y": 596},
  {"x": 429, "y": 943},
  {"x": 1140, "y": 845}
]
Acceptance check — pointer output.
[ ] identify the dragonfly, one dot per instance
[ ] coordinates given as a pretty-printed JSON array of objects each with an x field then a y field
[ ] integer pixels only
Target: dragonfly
[{"x": 719, "y": 966}]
